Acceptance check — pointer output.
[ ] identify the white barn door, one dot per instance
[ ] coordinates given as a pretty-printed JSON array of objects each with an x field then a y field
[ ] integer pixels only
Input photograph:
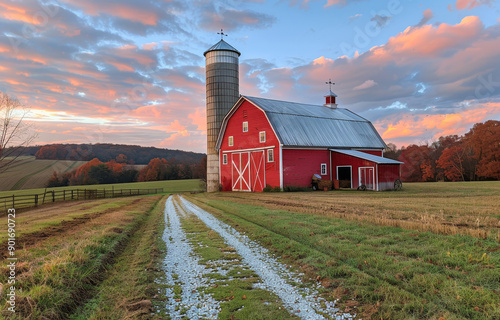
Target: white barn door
[
  {"x": 240, "y": 167},
  {"x": 367, "y": 177}
]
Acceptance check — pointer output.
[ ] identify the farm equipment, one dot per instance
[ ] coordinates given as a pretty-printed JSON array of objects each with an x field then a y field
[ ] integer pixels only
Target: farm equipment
[{"x": 321, "y": 184}]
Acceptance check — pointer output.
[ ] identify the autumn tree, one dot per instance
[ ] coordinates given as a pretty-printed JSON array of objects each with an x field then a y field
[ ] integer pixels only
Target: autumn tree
[
  {"x": 121, "y": 158},
  {"x": 484, "y": 140},
  {"x": 81, "y": 175},
  {"x": 416, "y": 160},
  {"x": 154, "y": 171},
  {"x": 14, "y": 131},
  {"x": 452, "y": 162}
]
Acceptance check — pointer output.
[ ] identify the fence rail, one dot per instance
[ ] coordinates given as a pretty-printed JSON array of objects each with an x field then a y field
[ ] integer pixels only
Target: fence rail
[{"x": 49, "y": 196}]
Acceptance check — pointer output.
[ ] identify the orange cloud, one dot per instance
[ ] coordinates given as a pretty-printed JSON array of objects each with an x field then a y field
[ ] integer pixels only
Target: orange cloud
[
  {"x": 125, "y": 11},
  {"x": 430, "y": 41},
  {"x": 433, "y": 126},
  {"x": 470, "y": 4},
  {"x": 199, "y": 118}
]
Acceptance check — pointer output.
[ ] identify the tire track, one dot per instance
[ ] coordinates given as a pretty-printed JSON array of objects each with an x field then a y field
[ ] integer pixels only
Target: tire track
[
  {"x": 275, "y": 277},
  {"x": 182, "y": 269}
]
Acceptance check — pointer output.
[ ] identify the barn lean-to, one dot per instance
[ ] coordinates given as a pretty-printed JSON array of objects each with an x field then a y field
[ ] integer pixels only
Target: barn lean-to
[{"x": 263, "y": 142}]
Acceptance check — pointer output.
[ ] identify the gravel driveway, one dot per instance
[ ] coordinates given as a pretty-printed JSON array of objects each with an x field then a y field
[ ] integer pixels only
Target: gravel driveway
[{"x": 184, "y": 272}]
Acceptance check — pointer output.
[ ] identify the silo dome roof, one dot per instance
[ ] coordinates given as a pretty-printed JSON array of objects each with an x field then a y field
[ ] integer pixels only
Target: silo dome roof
[{"x": 222, "y": 46}]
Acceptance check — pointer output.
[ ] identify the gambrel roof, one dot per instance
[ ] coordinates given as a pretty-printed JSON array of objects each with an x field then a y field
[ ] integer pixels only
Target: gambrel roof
[{"x": 307, "y": 125}]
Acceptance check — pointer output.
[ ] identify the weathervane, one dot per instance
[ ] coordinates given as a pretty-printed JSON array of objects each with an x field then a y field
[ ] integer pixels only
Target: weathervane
[
  {"x": 330, "y": 83},
  {"x": 222, "y": 34}
]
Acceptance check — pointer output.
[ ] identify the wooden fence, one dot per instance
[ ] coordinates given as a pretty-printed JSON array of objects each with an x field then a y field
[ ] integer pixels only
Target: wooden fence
[{"x": 49, "y": 196}]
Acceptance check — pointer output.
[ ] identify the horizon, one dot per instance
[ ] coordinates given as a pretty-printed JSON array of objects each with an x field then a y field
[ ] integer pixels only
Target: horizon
[{"x": 132, "y": 72}]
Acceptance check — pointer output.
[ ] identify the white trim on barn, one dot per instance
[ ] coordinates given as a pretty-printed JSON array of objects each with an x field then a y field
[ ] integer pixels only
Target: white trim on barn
[{"x": 251, "y": 149}]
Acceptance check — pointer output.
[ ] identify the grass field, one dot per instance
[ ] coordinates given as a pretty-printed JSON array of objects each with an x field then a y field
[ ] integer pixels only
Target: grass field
[
  {"x": 28, "y": 173},
  {"x": 374, "y": 268},
  {"x": 169, "y": 186},
  {"x": 430, "y": 251}
]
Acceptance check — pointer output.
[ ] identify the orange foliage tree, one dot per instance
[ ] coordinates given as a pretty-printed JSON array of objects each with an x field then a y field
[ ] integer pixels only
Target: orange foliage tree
[
  {"x": 484, "y": 139},
  {"x": 154, "y": 171},
  {"x": 81, "y": 175}
]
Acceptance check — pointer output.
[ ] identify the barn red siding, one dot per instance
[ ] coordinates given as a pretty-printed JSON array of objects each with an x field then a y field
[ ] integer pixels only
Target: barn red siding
[
  {"x": 299, "y": 165},
  {"x": 339, "y": 159},
  {"x": 387, "y": 174},
  {"x": 257, "y": 122}
]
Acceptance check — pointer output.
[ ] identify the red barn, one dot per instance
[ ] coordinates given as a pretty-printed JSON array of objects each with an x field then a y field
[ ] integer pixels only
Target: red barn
[{"x": 278, "y": 143}]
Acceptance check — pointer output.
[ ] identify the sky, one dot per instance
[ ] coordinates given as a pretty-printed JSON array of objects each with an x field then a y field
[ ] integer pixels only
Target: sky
[{"x": 132, "y": 72}]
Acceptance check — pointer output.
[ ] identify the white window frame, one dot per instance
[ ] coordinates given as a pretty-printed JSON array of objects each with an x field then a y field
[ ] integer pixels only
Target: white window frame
[
  {"x": 270, "y": 155},
  {"x": 260, "y": 137},
  {"x": 324, "y": 173},
  {"x": 224, "y": 158},
  {"x": 245, "y": 126},
  {"x": 230, "y": 141}
]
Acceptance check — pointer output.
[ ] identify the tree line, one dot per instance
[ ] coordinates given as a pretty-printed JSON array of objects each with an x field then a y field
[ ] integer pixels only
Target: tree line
[
  {"x": 473, "y": 156},
  {"x": 108, "y": 151},
  {"x": 119, "y": 171}
]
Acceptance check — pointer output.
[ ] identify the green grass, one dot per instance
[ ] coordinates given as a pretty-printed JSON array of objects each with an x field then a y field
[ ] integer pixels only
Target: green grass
[
  {"x": 19, "y": 184},
  {"x": 28, "y": 172},
  {"x": 169, "y": 186},
  {"x": 238, "y": 298},
  {"x": 393, "y": 273},
  {"x": 57, "y": 274},
  {"x": 131, "y": 279}
]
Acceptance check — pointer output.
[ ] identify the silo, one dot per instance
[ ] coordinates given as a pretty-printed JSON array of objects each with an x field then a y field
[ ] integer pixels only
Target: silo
[{"x": 222, "y": 84}]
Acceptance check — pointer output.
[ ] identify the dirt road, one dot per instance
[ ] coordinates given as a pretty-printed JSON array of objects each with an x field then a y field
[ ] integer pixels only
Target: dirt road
[{"x": 191, "y": 284}]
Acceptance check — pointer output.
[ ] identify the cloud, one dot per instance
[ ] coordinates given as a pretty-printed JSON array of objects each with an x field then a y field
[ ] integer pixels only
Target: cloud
[
  {"x": 380, "y": 20},
  {"x": 432, "y": 72},
  {"x": 471, "y": 4},
  {"x": 342, "y": 3},
  {"x": 232, "y": 19},
  {"x": 365, "y": 85},
  {"x": 354, "y": 17},
  {"x": 428, "y": 15}
]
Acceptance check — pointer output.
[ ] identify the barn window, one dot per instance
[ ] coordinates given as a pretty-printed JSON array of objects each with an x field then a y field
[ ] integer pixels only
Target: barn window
[
  {"x": 224, "y": 158},
  {"x": 262, "y": 136},
  {"x": 230, "y": 141},
  {"x": 245, "y": 126},
  {"x": 270, "y": 155},
  {"x": 323, "y": 169}
]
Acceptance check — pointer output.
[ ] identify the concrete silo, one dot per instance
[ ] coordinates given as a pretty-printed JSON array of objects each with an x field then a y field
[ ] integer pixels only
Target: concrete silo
[{"x": 222, "y": 84}]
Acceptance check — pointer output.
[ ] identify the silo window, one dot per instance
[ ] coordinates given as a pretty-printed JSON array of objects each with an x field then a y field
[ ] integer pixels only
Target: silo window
[
  {"x": 230, "y": 141},
  {"x": 270, "y": 155},
  {"x": 224, "y": 158},
  {"x": 323, "y": 169},
  {"x": 262, "y": 136},
  {"x": 245, "y": 126}
]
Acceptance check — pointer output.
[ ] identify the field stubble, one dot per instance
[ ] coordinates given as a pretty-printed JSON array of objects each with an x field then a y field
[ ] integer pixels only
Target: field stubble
[{"x": 442, "y": 208}]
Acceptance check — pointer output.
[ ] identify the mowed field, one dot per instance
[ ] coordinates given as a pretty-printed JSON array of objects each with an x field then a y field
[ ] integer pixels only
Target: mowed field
[
  {"x": 29, "y": 173},
  {"x": 429, "y": 251}
]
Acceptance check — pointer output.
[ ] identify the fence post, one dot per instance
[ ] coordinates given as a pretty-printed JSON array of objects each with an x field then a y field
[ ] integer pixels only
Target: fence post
[
  {"x": 13, "y": 201},
  {"x": 71, "y": 194},
  {"x": 36, "y": 200},
  {"x": 64, "y": 195},
  {"x": 104, "y": 193},
  {"x": 53, "y": 196}
]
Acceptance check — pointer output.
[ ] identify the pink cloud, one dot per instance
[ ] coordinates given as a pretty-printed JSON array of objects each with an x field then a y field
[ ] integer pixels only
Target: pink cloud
[
  {"x": 125, "y": 11},
  {"x": 470, "y": 4}
]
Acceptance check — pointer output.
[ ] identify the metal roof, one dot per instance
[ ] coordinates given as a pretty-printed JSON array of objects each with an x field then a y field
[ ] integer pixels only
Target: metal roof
[
  {"x": 331, "y": 94},
  {"x": 222, "y": 46},
  {"x": 366, "y": 156},
  {"x": 306, "y": 125}
]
